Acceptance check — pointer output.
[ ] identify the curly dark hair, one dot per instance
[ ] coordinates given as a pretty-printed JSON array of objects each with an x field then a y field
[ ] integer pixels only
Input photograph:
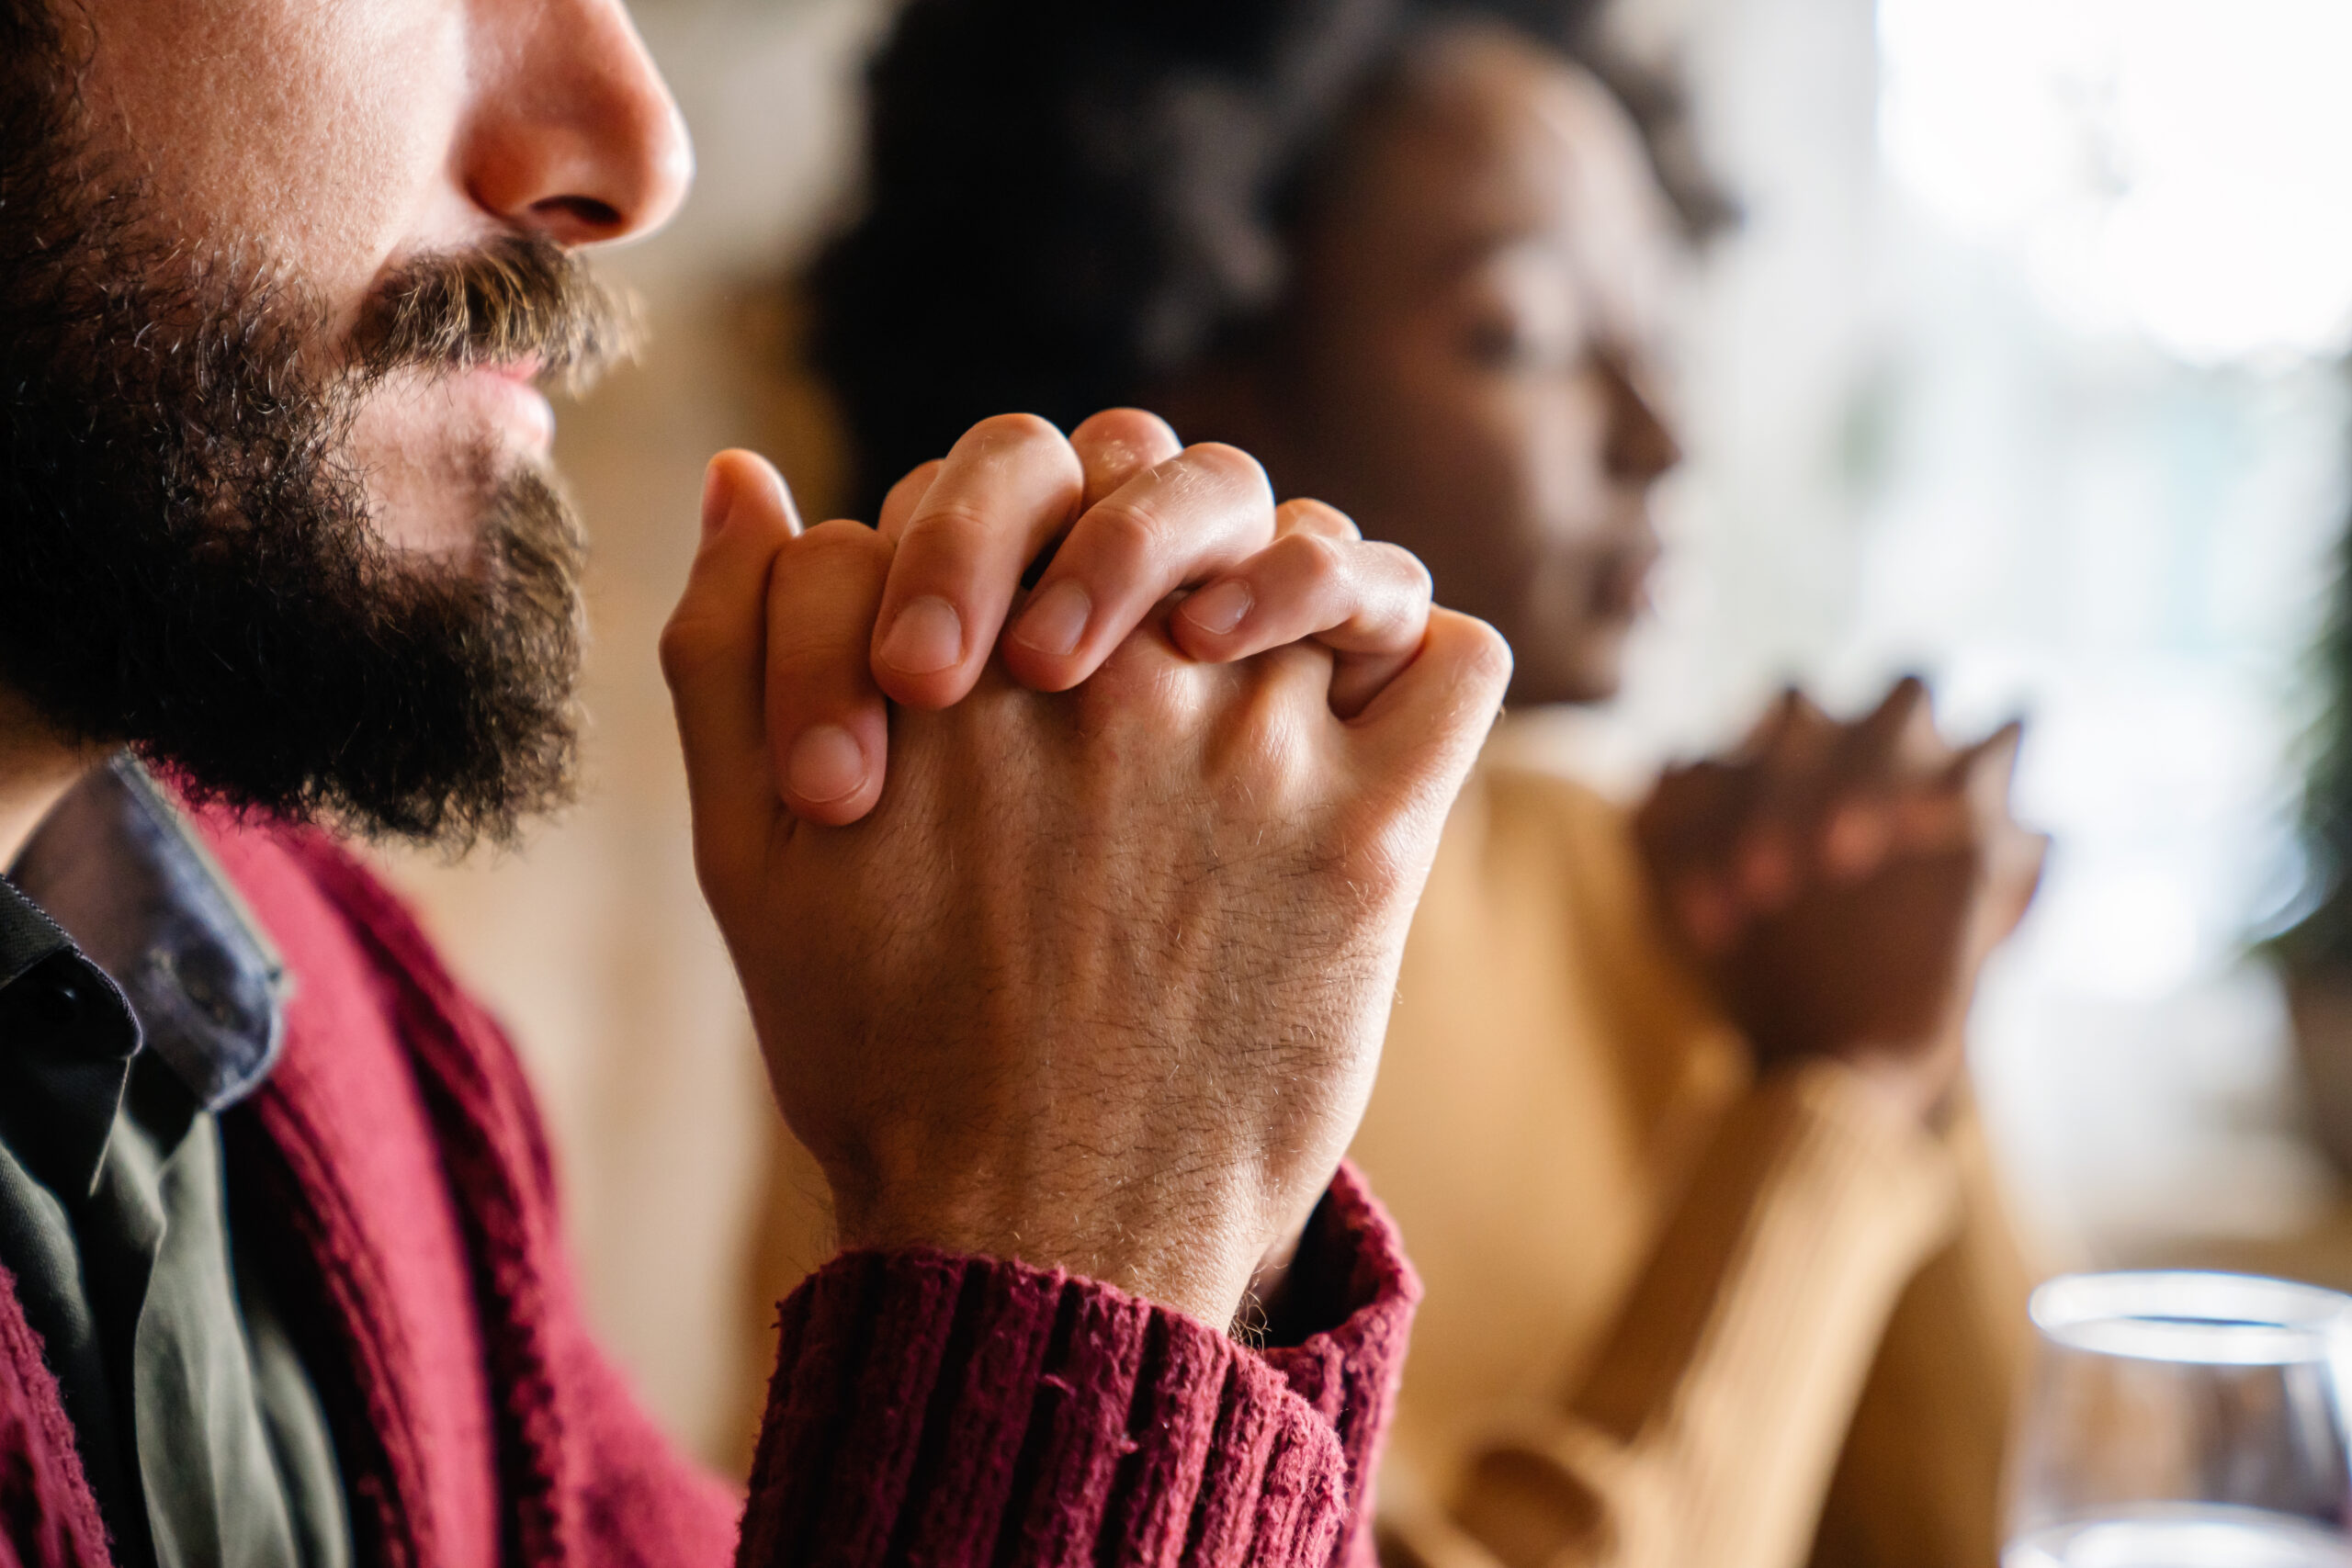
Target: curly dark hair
[{"x": 1070, "y": 201}]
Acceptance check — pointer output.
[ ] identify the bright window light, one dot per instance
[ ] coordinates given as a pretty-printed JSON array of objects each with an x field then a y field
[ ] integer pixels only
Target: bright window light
[{"x": 2178, "y": 168}]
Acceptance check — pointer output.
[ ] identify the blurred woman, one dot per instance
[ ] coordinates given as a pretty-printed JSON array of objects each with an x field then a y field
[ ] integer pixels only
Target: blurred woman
[{"x": 1671, "y": 1112}]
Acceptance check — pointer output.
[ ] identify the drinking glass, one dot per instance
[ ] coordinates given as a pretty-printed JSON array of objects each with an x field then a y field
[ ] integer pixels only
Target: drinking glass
[{"x": 2184, "y": 1420}]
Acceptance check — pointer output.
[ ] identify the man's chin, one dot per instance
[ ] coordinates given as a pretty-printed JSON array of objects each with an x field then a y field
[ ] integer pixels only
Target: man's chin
[
  {"x": 321, "y": 676},
  {"x": 436, "y": 457}
]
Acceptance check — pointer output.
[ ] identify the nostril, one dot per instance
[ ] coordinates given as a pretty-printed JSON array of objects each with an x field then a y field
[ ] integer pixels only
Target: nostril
[{"x": 590, "y": 217}]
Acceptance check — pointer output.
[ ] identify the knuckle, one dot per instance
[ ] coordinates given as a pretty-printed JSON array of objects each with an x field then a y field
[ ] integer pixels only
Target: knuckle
[
  {"x": 1268, "y": 766},
  {"x": 838, "y": 538},
  {"x": 1120, "y": 537},
  {"x": 1261, "y": 748},
  {"x": 1306, "y": 513},
  {"x": 798, "y": 657},
  {"x": 829, "y": 567},
  {"x": 1496, "y": 662},
  {"x": 1129, "y": 426},
  {"x": 684, "y": 647},
  {"x": 1228, "y": 464},
  {"x": 1318, "y": 561},
  {"x": 711, "y": 868},
  {"x": 1005, "y": 430},
  {"x": 1145, "y": 685},
  {"x": 1411, "y": 573},
  {"x": 1487, "y": 656},
  {"x": 1021, "y": 445},
  {"x": 947, "y": 527}
]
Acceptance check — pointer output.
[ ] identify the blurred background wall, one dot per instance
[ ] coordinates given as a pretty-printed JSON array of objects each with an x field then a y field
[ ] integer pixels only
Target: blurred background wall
[{"x": 2020, "y": 372}]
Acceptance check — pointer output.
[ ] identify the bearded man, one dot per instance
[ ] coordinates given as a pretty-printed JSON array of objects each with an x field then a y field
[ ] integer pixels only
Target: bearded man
[{"x": 1068, "y": 950}]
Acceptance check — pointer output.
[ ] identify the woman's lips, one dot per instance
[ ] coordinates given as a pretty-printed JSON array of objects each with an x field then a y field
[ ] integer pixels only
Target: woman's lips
[{"x": 1621, "y": 584}]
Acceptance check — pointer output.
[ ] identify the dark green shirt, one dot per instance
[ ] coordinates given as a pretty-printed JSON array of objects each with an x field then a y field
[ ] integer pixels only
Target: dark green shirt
[{"x": 150, "y": 1005}]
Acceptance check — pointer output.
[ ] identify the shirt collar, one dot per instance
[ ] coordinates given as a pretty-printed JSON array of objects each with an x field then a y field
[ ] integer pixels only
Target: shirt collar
[
  {"x": 67, "y": 1038},
  {"x": 28, "y": 938},
  {"x": 118, "y": 869}
]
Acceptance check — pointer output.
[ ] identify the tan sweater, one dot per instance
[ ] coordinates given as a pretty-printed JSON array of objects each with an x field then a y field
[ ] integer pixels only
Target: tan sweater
[{"x": 1675, "y": 1316}]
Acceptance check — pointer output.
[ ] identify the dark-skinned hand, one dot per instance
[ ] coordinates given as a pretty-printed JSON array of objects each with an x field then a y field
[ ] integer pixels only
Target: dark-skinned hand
[{"x": 1843, "y": 885}]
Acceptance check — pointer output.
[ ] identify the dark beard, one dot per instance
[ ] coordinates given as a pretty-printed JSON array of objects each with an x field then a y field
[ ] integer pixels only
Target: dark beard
[{"x": 187, "y": 563}]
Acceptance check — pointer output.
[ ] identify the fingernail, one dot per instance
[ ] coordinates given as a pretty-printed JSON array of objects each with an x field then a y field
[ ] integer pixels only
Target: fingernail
[
  {"x": 1055, "y": 619},
  {"x": 928, "y": 636},
  {"x": 718, "y": 499},
  {"x": 1219, "y": 607},
  {"x": 826, "y": 763}
]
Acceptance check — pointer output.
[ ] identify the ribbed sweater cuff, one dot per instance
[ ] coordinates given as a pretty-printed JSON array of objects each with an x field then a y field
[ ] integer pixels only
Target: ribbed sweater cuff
[{"x": 936, "y": 1409}]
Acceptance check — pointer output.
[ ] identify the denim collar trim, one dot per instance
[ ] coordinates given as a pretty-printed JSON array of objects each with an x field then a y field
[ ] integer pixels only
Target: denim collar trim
[{"x": 118, "y": 868}]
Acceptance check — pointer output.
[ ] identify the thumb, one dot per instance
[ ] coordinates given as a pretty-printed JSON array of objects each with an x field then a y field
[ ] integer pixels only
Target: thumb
[{"x": 714, "y": 650}]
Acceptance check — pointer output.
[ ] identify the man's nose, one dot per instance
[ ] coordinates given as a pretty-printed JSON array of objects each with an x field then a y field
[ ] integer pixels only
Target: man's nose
[{"x": 572, "y": 131}]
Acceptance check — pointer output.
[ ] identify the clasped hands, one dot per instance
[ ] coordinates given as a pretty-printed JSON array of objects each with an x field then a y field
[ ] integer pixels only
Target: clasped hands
[
  {"x": 1070, "y": 917},
  {"x": 1843, "y": 885}
]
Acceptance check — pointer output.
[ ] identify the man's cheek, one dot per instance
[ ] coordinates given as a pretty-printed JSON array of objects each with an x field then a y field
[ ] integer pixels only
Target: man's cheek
[{"x": 282, "y": 135}]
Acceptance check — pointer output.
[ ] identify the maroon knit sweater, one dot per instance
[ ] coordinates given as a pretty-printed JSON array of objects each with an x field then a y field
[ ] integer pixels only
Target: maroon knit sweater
[{"x": 926, "y": 1408}]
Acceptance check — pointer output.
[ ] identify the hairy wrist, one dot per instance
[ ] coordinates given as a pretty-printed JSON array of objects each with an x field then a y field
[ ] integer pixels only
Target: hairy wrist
[{"x": 1185, "y": 1255}]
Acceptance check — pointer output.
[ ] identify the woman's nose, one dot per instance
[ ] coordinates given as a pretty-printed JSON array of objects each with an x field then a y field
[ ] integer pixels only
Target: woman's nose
[{"x": 1640, "y": 444}]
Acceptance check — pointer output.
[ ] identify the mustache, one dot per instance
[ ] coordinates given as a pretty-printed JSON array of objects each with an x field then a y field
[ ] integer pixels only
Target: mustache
[{"x": 515, "y": 300}]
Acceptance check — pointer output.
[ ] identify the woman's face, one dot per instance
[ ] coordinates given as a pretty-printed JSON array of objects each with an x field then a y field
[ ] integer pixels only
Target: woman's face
[{"x": 1470, "y": 368}]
